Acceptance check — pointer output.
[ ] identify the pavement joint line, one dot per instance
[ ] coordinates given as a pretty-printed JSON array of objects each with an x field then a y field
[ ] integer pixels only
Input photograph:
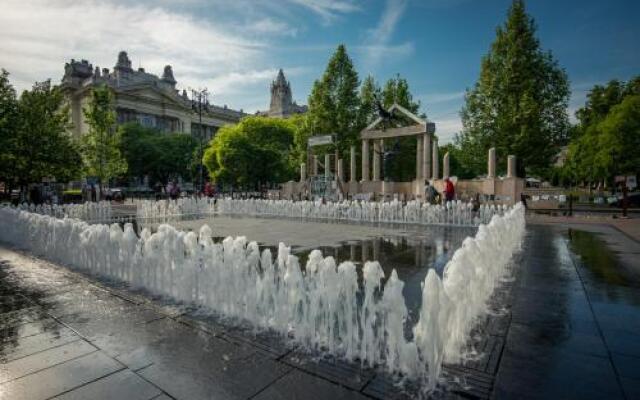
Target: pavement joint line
[
  {"x": 86, "y": 383},
  {"x": 312, "y": 373},
  {"x": 40, "y": 351},
  {"x": 9, "y": 338},
  {"x": 52, "y": 365},
  {"x": 268, "y": 385},
  {"x": 163, "y": 393},
  {"x": 597, "y": 323}
]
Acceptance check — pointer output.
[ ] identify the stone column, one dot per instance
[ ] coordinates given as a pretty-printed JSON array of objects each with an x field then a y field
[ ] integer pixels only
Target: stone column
[
  {"x": 340, "y": 171},
  {"x": 303, "y": 172},
  {"x": 445, "y": 165},
  {"x": 511, "y": 166},
  {"x": 365, "y": 160},
  {"x": 327, "y": 166},
  {"x": 419, "y": 157},
  {"x": 435, "y": 168},
  {"x": 352, "y": 160},
  {"x": 491, "y": 163},
  {"x": 426, "y": 154},
  {"x": 376, "y": 160},
  {"x": 315, "y": 165}
]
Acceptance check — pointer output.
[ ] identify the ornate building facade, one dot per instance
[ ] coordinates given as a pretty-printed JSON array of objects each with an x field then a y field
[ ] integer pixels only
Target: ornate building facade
[
  {"x": 282, "y": 104},
  {"x": 142, "y": 97}
]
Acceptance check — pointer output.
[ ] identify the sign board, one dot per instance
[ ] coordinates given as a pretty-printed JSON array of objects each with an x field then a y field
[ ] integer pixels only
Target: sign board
[
  {"x": 431, "y": 128},
  {"x": 632, "y": 182},
  {"x": 320, "y": 140}
]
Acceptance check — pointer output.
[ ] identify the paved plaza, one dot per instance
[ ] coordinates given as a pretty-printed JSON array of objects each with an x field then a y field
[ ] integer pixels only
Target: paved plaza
[{"x": 566, "y": 326}]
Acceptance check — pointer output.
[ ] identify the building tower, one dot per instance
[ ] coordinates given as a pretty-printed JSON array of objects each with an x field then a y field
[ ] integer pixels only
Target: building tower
[{"x": 281, "y": 99}]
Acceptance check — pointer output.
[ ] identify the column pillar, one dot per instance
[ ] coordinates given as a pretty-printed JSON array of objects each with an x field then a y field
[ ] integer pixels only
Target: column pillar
[
  {"x": 435, "y": 167},
  {"x": 315, "y": 165},
  {"x": 511, "y": 166},
  {"x": 365, "y": 160},
  {"x": 419, "y": 157},
  {"x": 426, "y": 156},
  {"x": 327, "y": 166},
  {"x": 445, "y": 165},
  {"x": 303, "y": 172},
  {"x": 340, "y": 171},
  {"x": 352, "y": 160},
  {"x": 491, "y": 163},
  {"x": 376, "y": 160}
]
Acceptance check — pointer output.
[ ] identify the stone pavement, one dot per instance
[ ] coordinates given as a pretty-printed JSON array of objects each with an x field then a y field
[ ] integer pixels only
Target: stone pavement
[
  {"x": 629, "y": 226},
  {"x": 567, "y": 328}
]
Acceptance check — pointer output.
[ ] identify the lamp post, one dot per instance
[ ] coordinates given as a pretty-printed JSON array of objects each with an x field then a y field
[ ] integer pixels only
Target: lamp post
[{"x": 199, "y": 100}]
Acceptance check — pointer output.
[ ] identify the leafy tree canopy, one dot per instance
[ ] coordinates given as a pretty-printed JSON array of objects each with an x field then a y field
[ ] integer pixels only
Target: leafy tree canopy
[
  {"x": 34, "y": 131},
  {"x": 161, "y": 156},
  {"x": 101, "y": 145},
  {"x": 519, "y": 103},
  {"x": 334, "y": 102},
  {"x": 607, "y": 138},
  {"x": 256, "y": 150}
]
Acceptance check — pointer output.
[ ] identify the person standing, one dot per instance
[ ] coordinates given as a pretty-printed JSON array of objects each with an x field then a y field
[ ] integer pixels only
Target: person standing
[
  {"x": 449, "y": 190},
  {"x": 430, "y": 192}
]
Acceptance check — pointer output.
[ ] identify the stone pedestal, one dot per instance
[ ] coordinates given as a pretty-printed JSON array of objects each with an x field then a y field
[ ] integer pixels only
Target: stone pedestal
[
  {"x": 426, "y": 154},
  {"x": 491, "y": 163},
  {"x": 377, "y": 149},
  {"x": 511, "y": 166},
  {"x": 435, "y": 169},
  {"x": 352, "y": 161},
  {"x": 365, "y": 160},
  {"x": 419, "y": 157},
  {"x": 327, "y": 166},
  {"x": 445, "y": 166}
]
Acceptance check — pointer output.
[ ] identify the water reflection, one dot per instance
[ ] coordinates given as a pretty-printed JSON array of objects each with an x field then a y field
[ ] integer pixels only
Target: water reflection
[
  {"x": 412, "y": 256},
  {"x": 603, "y": 274}
]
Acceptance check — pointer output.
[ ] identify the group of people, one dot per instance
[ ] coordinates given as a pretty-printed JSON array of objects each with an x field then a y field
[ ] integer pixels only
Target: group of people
[
  {"x": 432, "y": 196},
  {"x": 172, "y": 190}
]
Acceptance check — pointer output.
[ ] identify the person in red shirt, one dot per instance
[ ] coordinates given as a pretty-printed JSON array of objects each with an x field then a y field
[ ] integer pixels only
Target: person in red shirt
[{"x": 449, "y": 190}]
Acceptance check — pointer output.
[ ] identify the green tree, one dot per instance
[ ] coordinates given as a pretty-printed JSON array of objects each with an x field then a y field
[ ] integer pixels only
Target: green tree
[
  {"x": 8, "y": 126},
  {"x": 396, "y": 91},
  {"x": 255, "y": 151},
  {"x": 334, "y": 101},
  {"x": 369, "y": 93},
  {"x": 602, "y": 143},
  {"x": 101, "y": 145},
  {"x": 160, "y": 156},
  {"x": 40, "y": 146},
  {"x": 519, "y": 103}
]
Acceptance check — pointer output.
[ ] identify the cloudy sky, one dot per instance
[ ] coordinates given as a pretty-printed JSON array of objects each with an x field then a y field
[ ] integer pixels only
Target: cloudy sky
[{"x": 234, "y": 47}]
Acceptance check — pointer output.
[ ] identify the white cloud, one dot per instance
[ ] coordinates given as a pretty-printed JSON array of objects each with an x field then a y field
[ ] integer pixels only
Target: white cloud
[
  {"x": 328, "y": 9},
  {"x": 446, "y": 127},
  {"x": 39, "y": 36},
  {"x": 435, "y": 98},
  {"x": 271, "y": 26},
  {"x": 377, "y": 40}
]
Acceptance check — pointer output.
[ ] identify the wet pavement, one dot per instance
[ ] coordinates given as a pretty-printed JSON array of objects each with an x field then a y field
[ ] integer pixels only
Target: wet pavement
[{"x": 567, "y": 326}]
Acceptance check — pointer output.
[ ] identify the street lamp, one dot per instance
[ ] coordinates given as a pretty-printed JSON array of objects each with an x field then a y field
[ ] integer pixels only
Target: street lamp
[{"x": 199, "y": 100}]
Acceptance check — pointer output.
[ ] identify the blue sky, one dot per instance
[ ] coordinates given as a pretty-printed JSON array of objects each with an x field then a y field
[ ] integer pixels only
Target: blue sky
[{"x": 235, "y": 47}]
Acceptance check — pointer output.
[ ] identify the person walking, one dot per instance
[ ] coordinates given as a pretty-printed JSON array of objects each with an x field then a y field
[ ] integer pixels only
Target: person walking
[
  {"x": 430, "y": 192},
  {"x": 449, "y": 190}
]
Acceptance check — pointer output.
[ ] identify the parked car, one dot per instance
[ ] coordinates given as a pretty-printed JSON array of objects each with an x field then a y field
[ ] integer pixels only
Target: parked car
[{"x": 115, "y": 194}]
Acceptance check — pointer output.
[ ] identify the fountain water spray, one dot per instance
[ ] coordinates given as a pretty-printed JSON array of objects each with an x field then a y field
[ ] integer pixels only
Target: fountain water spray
[{"x": 317, "y": 307}]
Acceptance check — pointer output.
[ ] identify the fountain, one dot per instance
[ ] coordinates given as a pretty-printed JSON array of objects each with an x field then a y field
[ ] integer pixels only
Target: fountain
[{"x": 321, "y": 306}]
